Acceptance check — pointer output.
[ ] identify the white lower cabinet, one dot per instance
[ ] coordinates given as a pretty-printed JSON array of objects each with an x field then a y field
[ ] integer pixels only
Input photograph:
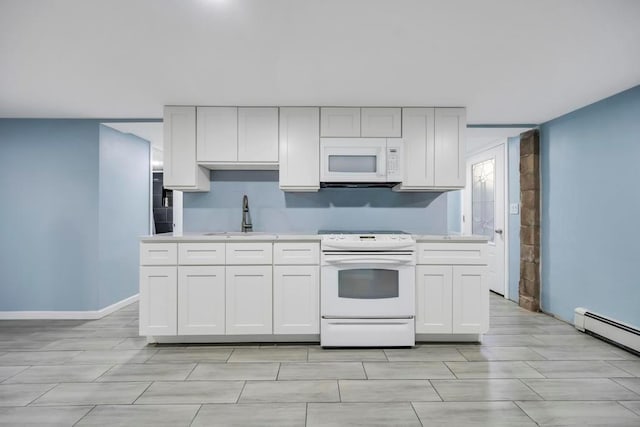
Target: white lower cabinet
[
  {"x": 158, "y": 300},
  {"x": 452, "y": 299},
  {"x": 470, "y": 300},
  {"x": 296, "y": 299},
  {"x": 434, "y": 299},
  {"x": 249, "y": 299},
  {"x": 201, "y": 300}
]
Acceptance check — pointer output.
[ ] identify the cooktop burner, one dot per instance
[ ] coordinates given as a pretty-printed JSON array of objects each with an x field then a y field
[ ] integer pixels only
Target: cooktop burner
[{"x": 361, "y": 232}]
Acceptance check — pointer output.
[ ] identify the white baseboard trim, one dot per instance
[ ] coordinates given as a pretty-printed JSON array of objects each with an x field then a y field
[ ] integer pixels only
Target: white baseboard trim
[{"x": 68, "y": 315}]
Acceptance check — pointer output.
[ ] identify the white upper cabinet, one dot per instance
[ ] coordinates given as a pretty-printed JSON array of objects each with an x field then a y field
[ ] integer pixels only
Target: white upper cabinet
[
  {"x": 450, "y": 124},
  {"x": 181, "y": 172},
  {"x": 217, "y": 134},
  {"x": 433, "y": 149},
  {"x": 258, "y": 134},
  {"x": 300, "y": 149},
  {"x": 381, "y": 122},
  {"x": 355, "y": 122},
  {"x": 418, "y": 134},
  {"x": 237, "y": 137},
  {"x": 339, "y": 122},
  {"x": 288, "y": 138}
]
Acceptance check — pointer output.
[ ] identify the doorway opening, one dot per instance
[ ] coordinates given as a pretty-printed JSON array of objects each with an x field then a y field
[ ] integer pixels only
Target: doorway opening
[
  {"x": 165, "y": 206},
  {"x": 491, "y": 201}
]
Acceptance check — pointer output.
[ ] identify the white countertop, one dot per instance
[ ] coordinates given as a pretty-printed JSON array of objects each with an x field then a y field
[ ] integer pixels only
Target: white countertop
[
  {"x": 450, "y": 238},
  {"x": 261, "y": 236},
  {"x": 229, "y": 236}
]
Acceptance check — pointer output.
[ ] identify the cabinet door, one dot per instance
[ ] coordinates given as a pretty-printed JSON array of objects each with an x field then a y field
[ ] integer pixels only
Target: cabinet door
[
  {"x": 201, "y": 300},
  {"x": 418, "y": 134},
  {"x": 258, "y": 134},
  {"x": 450, "y": 124},
  {"x": 181, "y": 172},
  {"x": 381, "y": 122},
  {"x": 300, "y": 149},
  {"x": 158, "y": 301},
  {"x": 296, "y": 299},
  {"x": 433, "y": 299},
  {"x": 249, "y": 299},
  {"x": 470, "y": 300},
  {"x": 217, "y": 134},
  {"x": 339, "y": 122}
]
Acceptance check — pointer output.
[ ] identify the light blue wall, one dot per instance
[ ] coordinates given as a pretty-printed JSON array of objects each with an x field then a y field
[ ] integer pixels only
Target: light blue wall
[
  {"x": 123, "y": 212},
  {"x": 49, "y": 215},
  {"x": 58, "y": 251},
  {"x": 590, "y": 209},
  {"x": 513, "y": 148},
  {"x": 276, "y": 211}
]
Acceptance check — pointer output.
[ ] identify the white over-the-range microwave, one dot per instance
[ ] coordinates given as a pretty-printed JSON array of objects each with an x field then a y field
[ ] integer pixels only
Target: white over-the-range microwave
[{"x": 360, "y": 161}]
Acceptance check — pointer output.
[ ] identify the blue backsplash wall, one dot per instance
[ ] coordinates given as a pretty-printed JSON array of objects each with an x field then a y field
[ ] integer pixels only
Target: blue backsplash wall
[{"x": 273, "y": 210}]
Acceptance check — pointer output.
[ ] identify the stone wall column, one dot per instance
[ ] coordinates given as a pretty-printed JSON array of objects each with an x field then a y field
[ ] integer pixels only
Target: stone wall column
[{"x": 529, "y": 286}]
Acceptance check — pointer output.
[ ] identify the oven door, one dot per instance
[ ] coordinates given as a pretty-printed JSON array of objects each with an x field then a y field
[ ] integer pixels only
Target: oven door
[
  {"x": 353, "y": 160},
  {"x": 368, "y": 285}
]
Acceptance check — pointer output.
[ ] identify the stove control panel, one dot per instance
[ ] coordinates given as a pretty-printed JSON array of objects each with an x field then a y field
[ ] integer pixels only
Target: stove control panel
[
  {"x": 360, "y": 242},
  {"x": 368, "y": 237}
]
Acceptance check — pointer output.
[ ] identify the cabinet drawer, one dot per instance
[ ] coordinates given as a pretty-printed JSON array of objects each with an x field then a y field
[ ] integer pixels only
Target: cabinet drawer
[
  {"x": 249, "y": 253},
  {"x": 452, "y": 253},
  {"x": 292, "y": 253},
  {"x": 158, "y": 253},
  {"x": 201, "y": 253}
]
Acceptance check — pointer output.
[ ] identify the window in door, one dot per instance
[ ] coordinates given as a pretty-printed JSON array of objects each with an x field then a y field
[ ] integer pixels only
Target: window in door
[{"x": 483, "y": 198}]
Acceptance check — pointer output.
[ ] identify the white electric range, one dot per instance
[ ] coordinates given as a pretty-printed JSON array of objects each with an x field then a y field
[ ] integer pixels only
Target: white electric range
[{"x": 367, "y": 289}]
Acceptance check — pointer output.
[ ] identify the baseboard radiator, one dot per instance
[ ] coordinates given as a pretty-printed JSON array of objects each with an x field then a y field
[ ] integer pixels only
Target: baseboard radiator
[{"x": 611, "y": 330}]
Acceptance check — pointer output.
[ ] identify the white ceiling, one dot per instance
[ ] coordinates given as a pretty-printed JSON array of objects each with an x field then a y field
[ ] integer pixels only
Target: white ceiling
[
  {"x": 507, "y": 61},
  {"x": 151, "y": 131},
  {"x": 478, "y": 139}
]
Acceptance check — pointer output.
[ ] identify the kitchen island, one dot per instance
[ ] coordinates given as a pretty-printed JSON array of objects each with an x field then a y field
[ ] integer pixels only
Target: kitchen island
[{"x": 265, "y": 287}]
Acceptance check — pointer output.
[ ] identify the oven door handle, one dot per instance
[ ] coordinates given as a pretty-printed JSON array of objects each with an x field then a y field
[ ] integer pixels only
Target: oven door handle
[{"x": 360, "y": 260}]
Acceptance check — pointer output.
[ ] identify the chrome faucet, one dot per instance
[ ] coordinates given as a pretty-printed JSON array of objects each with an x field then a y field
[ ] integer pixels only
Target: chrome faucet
[{"x": 246, "y": 217}]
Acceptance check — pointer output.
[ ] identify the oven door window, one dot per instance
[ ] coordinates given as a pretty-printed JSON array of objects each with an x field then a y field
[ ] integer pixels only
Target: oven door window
[{"x": 368, "y": 283}]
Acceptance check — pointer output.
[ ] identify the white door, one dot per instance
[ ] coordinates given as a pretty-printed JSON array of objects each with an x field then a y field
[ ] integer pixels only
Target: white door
[
  {"x": 258, "y": 134},
  {"x": 300, "y": 148},
  {"x": 158, "y": 300},
  {"x": 217, "y": 134},
  {"x": 339, "y": 122},
  {"x": 433, "y": 299},
  {"x": 470, "y": 310},
  {"x": 249, "y": 299},
  {"x": 201, "y": 300},
  {"x": 296, "y": 299},
  {"x": 484, "y": 209},
  {"x": 449, "y": 143}
]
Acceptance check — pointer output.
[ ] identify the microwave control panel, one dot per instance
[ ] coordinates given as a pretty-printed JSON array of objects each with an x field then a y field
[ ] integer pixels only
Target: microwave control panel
[{"x": 394, "y": 160}]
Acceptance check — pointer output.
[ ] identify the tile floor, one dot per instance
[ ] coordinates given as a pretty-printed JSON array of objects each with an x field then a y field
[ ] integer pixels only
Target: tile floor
[{"x": 530, "y": 370}]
